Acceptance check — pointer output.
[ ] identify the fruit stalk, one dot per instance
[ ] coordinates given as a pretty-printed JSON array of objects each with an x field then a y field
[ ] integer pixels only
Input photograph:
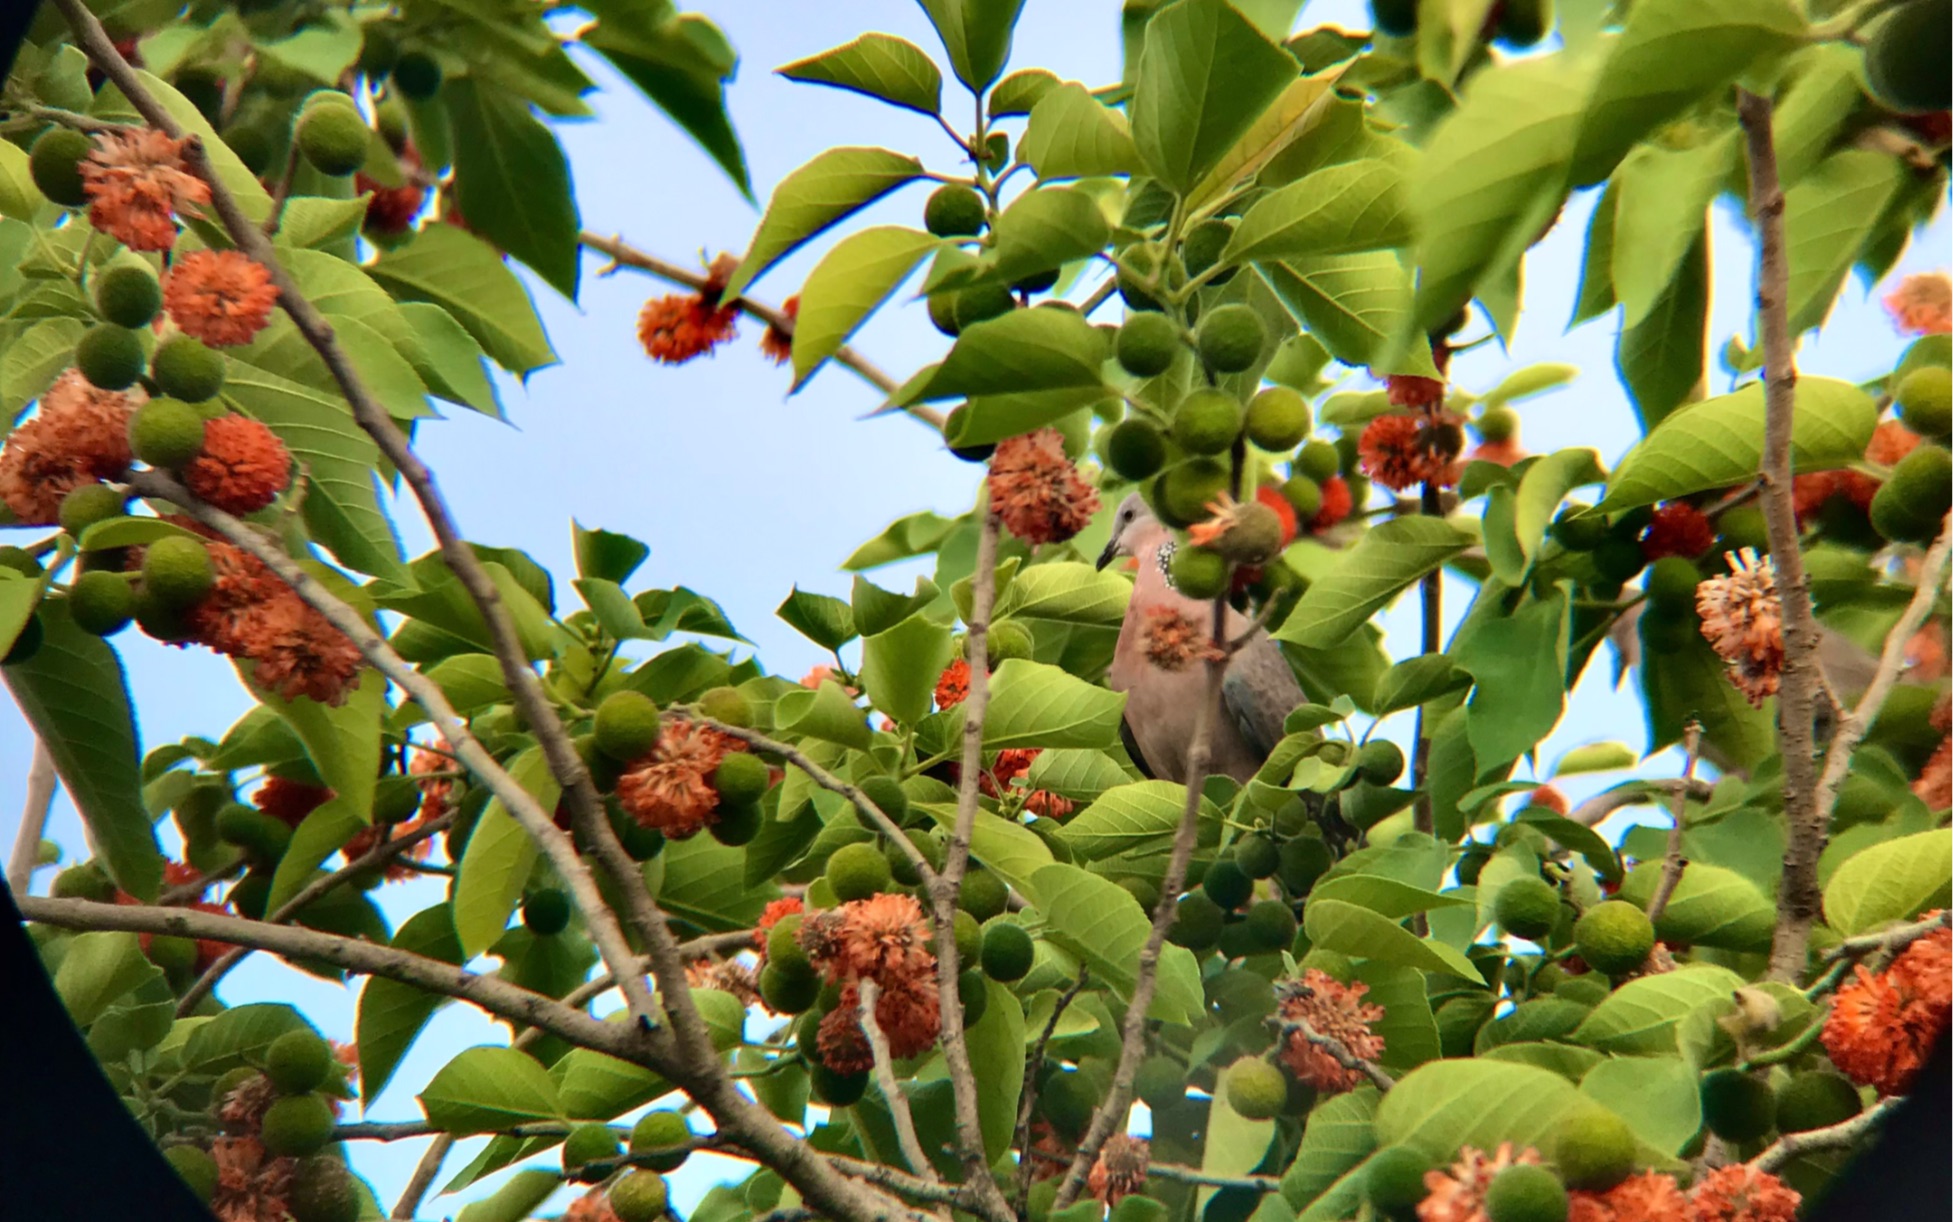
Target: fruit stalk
[{"x": 1672, "y": 861}]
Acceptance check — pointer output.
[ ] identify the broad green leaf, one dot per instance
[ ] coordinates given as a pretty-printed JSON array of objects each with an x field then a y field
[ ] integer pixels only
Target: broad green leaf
[
  {"x": 1410, "y": 1033},
  {"x": 1041, "y": 231},
  {"x": 1294, "y": 119},
  {"x": 997, "y": 1060},
  {"x": 682, "y": 63},
  {"x": 1234, "y": 1145},
  {"x": 1671, "y": 54},
  {"x": 518, "y": 1197},
  {"x": 1814, "y": 106},
  {"x": 1341, "y": 209},
  {"x": 1017, "y": 93},
  {"x": 1596, "y": 295},
  {"x": 1719, "y": 442},
  {"x": 97, "y": 969},
  {"x": 1662, "y": 194},
  {"x": 33, "y": 359},
  {"x": 977, "y": 34},
  {"x": 1035, "y": 705},
  {"x": 899, "y": 667},
  {"x": 1131, "y": 816},
  {"x": 1892, "y": 881},
  {"x": 343, "y": 743},
  {"x": 1691, "y": 683},
  {"x": 1659, "y": 1098},
  {"x": 1661, "y": 358},
  {"x": 1826, "y": 219},
  {"x": 1518, "y": 667},
  {"x": 594, "y": 1086},
  {"x": 1384, "y": 562},
  {"x": 1712, "y": 906},
  {"x": 485, "y": 1089},
  {"x": 1100, "y": 922},
  {"x": 1076, "y": 774},
  {"x": 832, "y": 186},
  {"x": 824, "y": 620},
  {"x": 452, "y": 268},
  {"x": 1542, "y": 490},
  {"x": 1023, "y": 350},
  {"x": 19, "y": 197},
  {"x": 391, "y": 1015},
  {"x": 1071, "y": 134},
  {"x": 826, "y": 713},
  {"x": 495, "y": 866},
  {"x": 1578, "y": 837},
  {"x": 1354, "y": 304},
  {"x": 1068, "y": 592},
  {"x": 447, "y": 358},
  {"x": 1639, "y": 1018},
  {"x": 1596, "y": 757},
  {"x": 1341, "y": 1133},
  {"x": 991, "y": 418},
  {"x": 1415, "y": 681},
  {"x": 879, "y": 65},
  {"x": 848, "y": 284},
  {"x": 1444, "y": 1105},
  {"x": 252, "y": 198},
  {"x": 1387, "y": 897},
  {"x": 73, "y": 693},
  {"x": 704, "y": 885},
  {"x": 877, "y": 610},
  {"x": 19, "y": 596},
  {"x": 322, "y": 49},
  {"x": 607, "y": 555},
  {"x": 1363, "y": 934},
  {"x": 1205, "y": 75},
  {"x": 239, "y": 1036},
  {"x": 312, "y": 222},
  {"x": 1009, "y": 850},
  {"x": 513, "y": 181}
]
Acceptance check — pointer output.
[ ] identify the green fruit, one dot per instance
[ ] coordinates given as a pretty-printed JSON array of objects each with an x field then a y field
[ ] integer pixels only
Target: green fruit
[
  {"x": 1613, "y": 937},
  {"x": 546, "y": 911},
  {"x": 1527, "y": 908},
  {"x": 1318, "y": 460},
  {"x": 889, "y": 797},
  {"x": 984, "y": 895},
  {"x": 1397, "y": 18},
  {"x": 1304, "y": 860},
  {"x": 258, "y": 834},
  {"x": 1037, "y": 283},
  {"x": 1207, "y": 421},
  {"x": 128, "y": 296},
  {"x": 1138, "y": 1208},
  {"x": 1007, "y": 951},
  {"x": 627, "y": 725},
  {"x": 55, "y": 165},
  {"x": 1618, "y": 559},
  {"x": 968, "y": 933},
  {"x": 1160, "y": 1083},
  {"x": 1816, "y": 1100},
  {"x": 1257, "y": 855},
  {"x": 1304, "y": 496},
  {"x": 1905, "y": 61},
  {"x": 250, "y": 894},
  {"x": 1255, "y": 1089},
  {"x": 1231, "y": 338},
  {"x": 333, "y": 138},
  {"x": 1670, "y": 585},
  {"x": 1203, "y": 246},
  {"x": 1182, "y": 492},
  {"x": 837, "y": 1089},
  {"x": 857, "y": 871},
  {"x": 1198, "y": 573},
  {"x": 664, "y": 1138},
  {"x": 729, "y": 705},
  {"x": 1525, "y": 1193},
  {"x": 1008, "y": 639},
  {"x": 942, "y": 312},
  {"x": 1594, "y": 1150},
  {"x": 1227, "y": 884},
  {"x": 1578, "y": 530},
  {"x": 1736, "y": 1106},
  {"x": 783, "y": 992},
  {"x": 1270, "y": 925},
  {"x": 176, "y": 956},
  {"x": 110, "y": 357},
  {"x": 1147, "y": 344},
  {"x": 183, "y": 368},
  {"x": 1380, "y": 762},
  {"x": 1135, "y": 449},
  {"x": 1137, "y": 265},
  {"x": 19, "y": 560},
  {"x": 589, "y": 1143},
  {"x": 981, "y": 303},
  {"x": 195, "y": 1168},
  {"x": 176, "y": 571},
  {"x": 1068, "y": 1101},
  {"x": 87, "y": 881},
  {"x": 101, "y": 603},
  {"x": 87, "y": 505},
  {"x": 954, "y": 211},
  {"x": 1498, "y": 424},
  {"x": 417, "y": 75},
  {"x": 783, "y": 947},
  {"x": 166, "y": 433},
  {"x": 639, "y": 1197},
  {"x": 1141, "y": 889},
  {"x": 742, "y": 778},
  {"x": 298, "y": 1061},
  {"x": 1743, "y": 527},
  {"x": 297, "y": 1125},
  {"x": 973, "y": 994},
  {"x": 1393, "y": 1179},
  {"x": 953, "y": 425},
  {"x": 323, "y": 1190},
  {"x": 1197, "y": 922},
  {"x": 1278, "y": 418},
  {"x": 1925, "y": 400},
  {"x": 1913, "y": 500},
  {"x": 1522, "y": 23}
]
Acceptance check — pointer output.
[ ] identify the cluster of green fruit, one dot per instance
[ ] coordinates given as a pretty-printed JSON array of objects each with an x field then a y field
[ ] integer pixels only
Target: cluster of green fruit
[
  {"x": 112, "y": 354},
  {"x": 1592, "y": 1150},
  {"x": 1745, "y": 1108},
  {"x": 627, "y": 725},
  {"x": 659, "y": 1142},
  {"x": 298, "y": 1125},
  {"x": 103, "y": 599}
]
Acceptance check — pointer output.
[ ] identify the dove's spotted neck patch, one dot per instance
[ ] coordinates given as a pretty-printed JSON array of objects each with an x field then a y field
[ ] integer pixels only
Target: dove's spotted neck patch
[{"x": 1164, "y": 558}]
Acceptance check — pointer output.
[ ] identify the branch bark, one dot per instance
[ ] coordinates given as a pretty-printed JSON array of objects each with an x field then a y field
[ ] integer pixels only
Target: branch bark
[
  {"x": 1672, "y": 861},
  {"x": 1027, "y": 1095},
  {"x": 898, "y": 1103},
  {"x": 1834, "y": 1137},
  {"x": 1431, "y": 601},
  {"x": 1799, "y": 898},
  {"x": 41, "y": 783},
  {"x": 1339, "y": 1051},
  {"x": 1636, "y": 793}
]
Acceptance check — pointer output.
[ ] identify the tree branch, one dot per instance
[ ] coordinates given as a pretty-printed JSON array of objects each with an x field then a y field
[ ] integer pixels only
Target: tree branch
[
  {"x": 1636, "y": 793},
  {"x": 1431, "y": 591},
  {"x": 41, "y": 783},
  {"x": 1027, "y": 1095},
  {"x": 898, "y": 1103},
  {"x": 1799, "y": 898},
  {"x": 1841, "y": 957},
  {"x": 1834, "y": 1137},
  {"x": 1337, "y": 1050},
  {"x": 1191, "y": 1175},
  {"x": 1672, "y": 862}
]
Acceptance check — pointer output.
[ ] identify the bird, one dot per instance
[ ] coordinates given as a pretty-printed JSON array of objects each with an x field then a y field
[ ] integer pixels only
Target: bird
[{"x": 1257, "y": 693}]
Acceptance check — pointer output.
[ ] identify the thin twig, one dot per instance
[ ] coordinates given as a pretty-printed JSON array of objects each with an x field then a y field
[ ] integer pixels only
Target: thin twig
[
  {"x": 1672, "y": 862},
  {"x": 281, "y": 192},
  {"x": 1206, "y": 1179},
  {"x": 1337, "y": 1050},
  {"x": 192, "y": 891},
  {"x": 422, "y": 1179},
  {"x": 1840, "y": 958},
  {"x": 898, "y": 1103},
  {"x": 1637, "y": 793},
  {"x": 41, "y": 783},
  {"x": 1027, "y": 1095},
  {"x": 1834, "y": 1137},
  {"x": 1431, "y": 602}
]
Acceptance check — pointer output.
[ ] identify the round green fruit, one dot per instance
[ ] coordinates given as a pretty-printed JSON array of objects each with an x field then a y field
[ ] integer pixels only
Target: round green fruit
[
  {"x": 954, "y": 211},
  {"x": 298, "y": 1061},
  {"x": 1231, "y": 338},
  {"x": 297, "y": 1125},
  {"x": 589, "y": 1143},
  {"x": 968, "y": 932},
  {"x": 166, "y": 433},
  {"x": 857, "y": 871},
  {"x": 323, "y": 1190},
  {"x": 1527, "y": 908},
  {"x": 183, "y": 368},
  {"x": 1203, "y": 247},
  {"x": 1618, "y": 560},
  {"x": 1227, "y": 884},
  {"x": 639, "y": 1197},
  {"x": 1816, "y": 1100},
  {"x": 1147, "y": 343},
  {"x": 729, "y": 705},
  {"x": 889, "y": 797},
  {"x": 1207, "y": 421},
  {"x": 176, "y": 571},
  {"x": 1270, "y": 925},
  {"x": 1304, "y": 496},
  {"x": 953, "y": 425},
  {"x": 1304, "y": 860},
  {"x": 973, "y": 994},
  {"x": 195, "y": 1168},
  {"x": 737, "y": 823},
  {"x": 663, "y": 1138},
  {"x": 418, "y": 75},
  {"x": 1257, "y": 855},
  {"x": 1278, "y": 418},
  {"x": 837, "y": 1089},
  {"x": 54, "y": 163},
  {"x": 1318, "y": 460},
  {"x": 1198, "y": 573},
  {"x": 1255, "y": 1089},
  {"x": 546, "y": 911},
  {"x": 101, "y": 603},
  {"x": 251, "y": 893},
  {"x": 1736, "y": 1106},
  {"x": 1197, "y": 922},
  {"x": 1925, "y": 400},
  {"x": 627, "y": 725},
  {"x": 1182, "y": 492},
  {"x": 1594, "y": 1150},
  {"x": 1578, "y": 530},
  {"x": 1525, "y": 1193},
  {"x": 1393, "y": 1180},
  {"x": 1911, "y": 503},
  {"x": 784, "y": 992},
  {"x": 783, "y": 948},
  {"x": 1614, "y": 937},
  {"x": 1139, "y": 264},
  {"x": 1741, "y": 527},
  {"x": 741, "y": 778},
  {"x": 942, "y": 312},
  {"x": 110, "y": 357},
  {"x": 262, "y": 837},
  {"x": 1068, "y": 1101},
  {"x": 1008, "y": 951},
  {"x": 981, "y": 303},
  {"x": 87, "y": 881},
  {"x": 128, "y": 296},
  {"x": 1397, "y": 18},
  {"x": 1498, "y": 424},
  {"x": 984, "y": 895},
  {"x": 1160, "y": 1083},
  {"x": 1670, "y": 584},
  {"x": 1906, "y": 62},
  {"x": 87, "y": 505},
  {"x": 1380, "y": 762},
  {"x": 1135, "y": 449},
  {"x": 1008, "y": 639}
]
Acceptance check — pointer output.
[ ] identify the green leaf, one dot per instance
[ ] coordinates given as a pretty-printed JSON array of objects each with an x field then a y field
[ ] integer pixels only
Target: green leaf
[
  {"x": 1638, "y": 1018},
  {"x": 899, "y": 667},
  {"x": 312, "y": 222},
  {"x": 1022, "y": 350},
  {"x": 1416, "y": 681},
  {"x": 1444, "y": 1105},
  {"x": 1041, "y": 231},
  {"x": 1354, "y": 304},
  {"x": 1234, "y": 1145},
  {"x": 1361, "y": 933},
  {"x": 826, "y": 621},
  {"x": 1071, "y": 134},
  {"x": 1100, "y": 922},
  {"x": 1009, "y": 850},
  {"x": 682, "y": 63},
  {"x": 1711, "y": 906},
  {"x": 1543, "y": 488},
  {"x": 1341, "y": 209},
  {"x": 1826, "y": 219},
  {"x": 239, "y": 1036},
  {"x": 914, "y": 535},
  {"x": 1295, "y": 122},
  {"x": 877, "y": 610},
  {"x": 1658, "y": 1097},
  {"x": 1719, "y": 442},
  {"x": 848, "y": 284},
  {"x": 391, "y": 1015},
  {"x": 33, "y": 360},
  {"x": 1595, "y": 757},
  {"x": 74, "y": 694},
  {"x": 1578, "y": 837},
  {"x": 991, "y": 418},
  {"x": 1077, "y": 774},
  {"x": 1671, "y": 54},
  {"x": 996, "y": 1045},
  {"x": 593, "y": 1086},
  {"x": 1662, "y": 194},
  {"x": 321, "y": 50},
  {"x": 515, "y": 1200},
  {"x": 826, "y": 713},
  {"x": 1814, "y": 106},
  {"x": 1387, "y": 897},
  {"x": 485, "y": 1089},
  {"x": 1892, "y": 881},
  {"x": 1017, "y": 93},
  {"x": 1035, "y": 705},
  {"x": 19, "y": 197},
  {"x": 1067, "y": 592},
  {"x": 829, "y": 188},
  {"x": 1131, "y": 816},
  {"x": 607, "y": 555},
  {"x": 879, "y": 65},
  {"x": 1205, "y": 74},
  {"x": 1518, "y": 668},
  {"x": 97, "y": 969},
  {"x": 1691, "y": 683},
  {"x": 344, "y": 745},
  {"x": 1341, "y": 1133},
  {"x": 976, "y": 33},
  {"x": 1385, "y": 561},
  {"x": 1661, "y": 358},
  {"x": 252, "y": 198},
  {"x": 1410, "y": 1033},
  {"x": 495, "y": 866},
  {"x": 705, "y": 884},
  {"x": 1596, "y": 295},
  {"x": 454, "y": 269},
  {"x": 447, "y": 358},
  {"x": 513, "y": 181}
]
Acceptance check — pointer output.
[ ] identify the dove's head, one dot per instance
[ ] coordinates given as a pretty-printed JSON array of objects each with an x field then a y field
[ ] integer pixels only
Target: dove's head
[{"x": 1135, "y": 531}]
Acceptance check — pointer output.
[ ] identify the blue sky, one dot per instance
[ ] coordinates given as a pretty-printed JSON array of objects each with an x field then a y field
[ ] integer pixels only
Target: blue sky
[{"x": 743, "y": 493}]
